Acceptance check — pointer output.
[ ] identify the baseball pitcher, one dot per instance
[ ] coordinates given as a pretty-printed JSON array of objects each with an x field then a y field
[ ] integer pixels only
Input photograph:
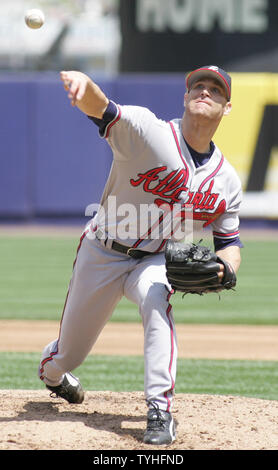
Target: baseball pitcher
[{"x": 157, "y": 167}]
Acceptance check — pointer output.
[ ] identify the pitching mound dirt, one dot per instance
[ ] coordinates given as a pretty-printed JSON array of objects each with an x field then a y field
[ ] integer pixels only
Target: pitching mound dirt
[{"x": 31, "y": 420}]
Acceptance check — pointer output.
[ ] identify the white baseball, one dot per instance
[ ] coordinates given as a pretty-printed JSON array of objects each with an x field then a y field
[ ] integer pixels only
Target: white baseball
[{"x": 34, "y": 18}]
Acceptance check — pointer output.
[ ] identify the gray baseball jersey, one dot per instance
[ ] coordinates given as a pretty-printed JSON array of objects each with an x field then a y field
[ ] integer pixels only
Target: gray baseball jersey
[{"x": 152, "y": 165}]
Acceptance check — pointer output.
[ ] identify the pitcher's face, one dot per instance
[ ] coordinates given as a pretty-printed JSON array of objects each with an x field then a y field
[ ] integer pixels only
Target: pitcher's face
[{"x": 207, "y": 99}]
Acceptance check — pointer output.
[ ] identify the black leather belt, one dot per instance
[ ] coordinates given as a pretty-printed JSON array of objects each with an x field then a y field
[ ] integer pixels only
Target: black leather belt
[{"x": 132, "y": 252}]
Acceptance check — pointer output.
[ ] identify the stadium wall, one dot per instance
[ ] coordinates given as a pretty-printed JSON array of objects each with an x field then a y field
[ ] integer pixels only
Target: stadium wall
[{"x": 55, "y": 164}]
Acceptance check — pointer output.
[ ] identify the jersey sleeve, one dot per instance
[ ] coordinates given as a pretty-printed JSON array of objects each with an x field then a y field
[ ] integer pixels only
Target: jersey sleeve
[
  {"x": 126, "y": 129},
  {"x": 109, "y": 117},
  {"x": 225, "y": 228}
]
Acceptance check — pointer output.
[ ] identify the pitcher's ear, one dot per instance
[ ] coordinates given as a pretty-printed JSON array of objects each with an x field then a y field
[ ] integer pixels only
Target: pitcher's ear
[{"x": 228, "y": 108}]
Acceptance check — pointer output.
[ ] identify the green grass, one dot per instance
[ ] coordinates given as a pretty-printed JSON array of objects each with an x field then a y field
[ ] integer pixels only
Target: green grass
[
  {"x": 258, "y": 379},
  {"x": 35, "y": 274},
  {"x": 34, "y": 278}
]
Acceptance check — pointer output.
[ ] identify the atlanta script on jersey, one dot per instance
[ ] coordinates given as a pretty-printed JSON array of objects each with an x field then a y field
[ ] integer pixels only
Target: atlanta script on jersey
[{"x": 152, "y": 165}]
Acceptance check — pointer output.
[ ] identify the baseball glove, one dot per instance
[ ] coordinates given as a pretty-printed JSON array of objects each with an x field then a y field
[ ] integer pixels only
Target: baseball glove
[{"x": 192, "y": 268}]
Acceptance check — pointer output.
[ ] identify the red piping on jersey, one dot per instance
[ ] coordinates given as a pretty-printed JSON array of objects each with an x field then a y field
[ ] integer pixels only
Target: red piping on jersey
[
  {"x": 180, "y": 152},
  {"x": 111, "y": 124},
  {"x": 177, "y": 144},
  {"x": 49, "y": 358},
  {"x": 161, "y": 245},
  {"x": 165, "y": 240},
  {"x": 212, "y": 174},
  {"x": 171, "y": 353},
  {"x": 161, "y": 218},
  {"x": 200, "y": 215},
  {"x": 226, "y": 235},
  {"x": 139, "y": 241}
]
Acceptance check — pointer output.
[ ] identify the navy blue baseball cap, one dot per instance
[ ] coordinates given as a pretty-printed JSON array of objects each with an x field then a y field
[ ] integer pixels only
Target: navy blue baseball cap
[{"x": 214, "y": 72}]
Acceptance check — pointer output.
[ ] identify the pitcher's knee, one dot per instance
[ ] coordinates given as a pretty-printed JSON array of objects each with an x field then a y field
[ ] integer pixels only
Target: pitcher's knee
[{"x": 155, "y": 301}]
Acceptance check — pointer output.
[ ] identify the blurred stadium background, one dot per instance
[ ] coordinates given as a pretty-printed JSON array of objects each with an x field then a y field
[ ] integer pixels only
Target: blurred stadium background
[{"x": 53, "y": 164}]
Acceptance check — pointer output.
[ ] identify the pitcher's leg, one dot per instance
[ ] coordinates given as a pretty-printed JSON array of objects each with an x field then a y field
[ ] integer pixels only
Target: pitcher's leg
[
  {"x": 160, "y": 349},
  {"x": 147, "y": 286},
  {"x": 80, "y": 327},
  {"x": 93, "y": 294}
]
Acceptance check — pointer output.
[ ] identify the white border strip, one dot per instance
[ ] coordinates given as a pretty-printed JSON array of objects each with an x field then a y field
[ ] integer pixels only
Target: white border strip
[{"x": 263, "y": 204}]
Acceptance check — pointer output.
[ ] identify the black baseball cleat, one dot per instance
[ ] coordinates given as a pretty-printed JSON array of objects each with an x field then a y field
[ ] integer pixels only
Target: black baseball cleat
[
  {"x": 70, "y": 389},
  {"x": 160, "y": 427}
]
